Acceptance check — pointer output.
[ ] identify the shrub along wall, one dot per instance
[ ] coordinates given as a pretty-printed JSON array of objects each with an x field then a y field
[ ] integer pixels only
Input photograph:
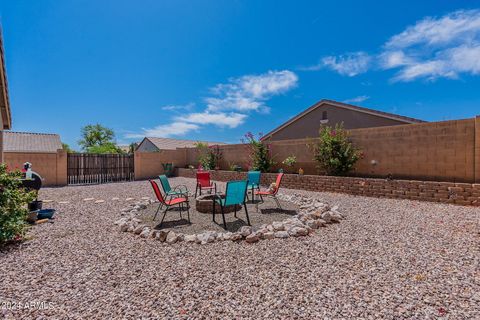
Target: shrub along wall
[{"x": 445, "y": 192}]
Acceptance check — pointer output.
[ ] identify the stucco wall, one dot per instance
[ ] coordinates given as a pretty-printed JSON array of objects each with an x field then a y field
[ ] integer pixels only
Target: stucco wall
[
  {"x": 439, "y": 151},
  {"x": 52, "y": 167},
  {"x": 308, "y": 125},
  {"x": 149, "y": 164}
]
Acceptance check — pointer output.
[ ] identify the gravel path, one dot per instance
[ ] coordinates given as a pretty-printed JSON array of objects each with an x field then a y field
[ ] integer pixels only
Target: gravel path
[{"x": 390, "y": 259}]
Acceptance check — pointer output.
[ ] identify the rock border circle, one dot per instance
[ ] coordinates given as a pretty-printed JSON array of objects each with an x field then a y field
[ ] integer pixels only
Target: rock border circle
[{"x": 312, "y": 215}]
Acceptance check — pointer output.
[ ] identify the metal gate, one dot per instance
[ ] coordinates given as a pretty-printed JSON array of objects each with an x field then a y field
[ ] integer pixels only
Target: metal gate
[{"x": 89, "y": 168}]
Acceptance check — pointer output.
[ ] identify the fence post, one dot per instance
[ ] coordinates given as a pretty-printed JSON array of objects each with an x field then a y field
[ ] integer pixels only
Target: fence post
[
  {"x": 476, "y": 151},
  {"x": 61, "y": 168}
]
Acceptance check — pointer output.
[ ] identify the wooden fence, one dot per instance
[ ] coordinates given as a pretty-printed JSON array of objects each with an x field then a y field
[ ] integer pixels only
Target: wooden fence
[{"x": 84, "y": 168}]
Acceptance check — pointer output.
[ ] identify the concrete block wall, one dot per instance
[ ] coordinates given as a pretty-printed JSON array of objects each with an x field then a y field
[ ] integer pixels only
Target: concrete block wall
[{"x": 445, "y": 192}]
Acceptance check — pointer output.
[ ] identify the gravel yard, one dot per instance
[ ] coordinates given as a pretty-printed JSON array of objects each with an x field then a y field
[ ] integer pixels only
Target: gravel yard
[{"x": 389, "y": 259}]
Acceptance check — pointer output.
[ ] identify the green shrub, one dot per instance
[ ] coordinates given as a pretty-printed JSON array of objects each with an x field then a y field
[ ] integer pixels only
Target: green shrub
[
  {"x": 13, "y": 201},
  {"x": 209, "y": 156},
  {"x": 334, "y": 152},
  {"x": 260, "y": 157},
  {"x": 290, "y": 162}
]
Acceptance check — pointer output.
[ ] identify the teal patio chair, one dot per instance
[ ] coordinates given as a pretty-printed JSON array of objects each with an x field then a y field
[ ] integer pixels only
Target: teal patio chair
[
  {"x": 235, "y": 194},
  {"x": 253, "y": 178},
  {"x": 177, "y": 191}
]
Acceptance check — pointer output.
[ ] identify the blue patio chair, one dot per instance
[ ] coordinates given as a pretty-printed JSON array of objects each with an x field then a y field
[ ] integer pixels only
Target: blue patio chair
[
  {"x": 235, "y": 194},
  {"x": 253, "y": 178}
]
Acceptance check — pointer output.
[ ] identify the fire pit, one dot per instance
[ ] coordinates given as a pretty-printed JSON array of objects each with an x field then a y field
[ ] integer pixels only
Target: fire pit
[{"x": 204, "y": 204}]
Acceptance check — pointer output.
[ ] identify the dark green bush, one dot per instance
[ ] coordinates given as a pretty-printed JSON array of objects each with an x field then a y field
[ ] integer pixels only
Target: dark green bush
[{"x": 13, "y": 205}]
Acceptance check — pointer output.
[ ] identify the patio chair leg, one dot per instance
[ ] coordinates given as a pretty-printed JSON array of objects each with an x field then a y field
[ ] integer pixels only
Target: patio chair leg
[
  {"x": 214, "y": 206},
  {"x": 164, "y": 214},
  {"x": 156, "y": 212},
  {"x": 188, "y": 214},
  {"x": 246, "y": 212},
  {"x": 196, "y": 191},
  {"x": 235, "y": 212},
  {"x": 223, "y": 217},
  {"x": 278, "y": 203},
  {"x": 181, "y": 209}
]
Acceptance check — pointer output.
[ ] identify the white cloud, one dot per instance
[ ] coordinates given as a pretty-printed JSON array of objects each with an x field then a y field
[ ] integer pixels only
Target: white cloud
[
  {"x": 357, "y": 99},
  {"x": 432, "y": 48},
  {"x": 459, "y": 26},
  {"x": 179, "y": 107},
  {"x": 231, "y": 120},
  {"x": 250, "y": 92},
  {"x": 435, "y": 48},
  {"x": 349, "y": 64},
  {"x": 176, "y": 128}
]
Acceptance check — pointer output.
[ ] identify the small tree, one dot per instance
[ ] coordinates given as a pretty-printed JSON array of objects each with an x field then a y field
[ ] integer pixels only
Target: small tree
[
  {"x": 260, "y": 157},
  {"x": 67, "y": 148},
  {"x": 334, "y": 152},
  {"x": 13, "y": 201},
  {"x": 98, "y": 139}
]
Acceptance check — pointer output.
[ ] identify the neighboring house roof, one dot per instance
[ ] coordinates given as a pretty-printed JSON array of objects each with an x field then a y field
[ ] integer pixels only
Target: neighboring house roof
[
  {"x": 172, "y": 144},
  {"x": 4, "y": 101},
  {"x": 30, "y": 142},
  {"x": 406, "y": 120}
]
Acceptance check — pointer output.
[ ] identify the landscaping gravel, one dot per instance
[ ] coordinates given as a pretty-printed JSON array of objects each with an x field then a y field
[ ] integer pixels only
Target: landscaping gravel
[{"x": 389, "y": 259}]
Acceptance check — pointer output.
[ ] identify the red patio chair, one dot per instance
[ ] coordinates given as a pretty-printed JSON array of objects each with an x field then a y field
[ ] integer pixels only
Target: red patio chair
[
  {"x": 204, "y": 183},
  {"x": 271, "y": 193},
  {"x": 168, "y": 203}
]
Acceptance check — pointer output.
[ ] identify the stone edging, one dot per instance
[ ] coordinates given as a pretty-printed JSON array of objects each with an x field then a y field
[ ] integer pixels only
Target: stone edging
[{"x": 312, "y": 215}]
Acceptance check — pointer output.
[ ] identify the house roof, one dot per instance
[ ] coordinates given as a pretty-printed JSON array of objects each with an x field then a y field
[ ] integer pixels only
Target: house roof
[
  {"x": 406, "y": 120},
  {"x": 4, "y": 101},
  {"x": 172, "y": 144},
  {"x": 30, "y": 142}
]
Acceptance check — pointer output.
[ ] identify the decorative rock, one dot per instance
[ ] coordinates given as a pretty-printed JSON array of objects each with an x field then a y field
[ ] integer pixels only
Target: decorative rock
[
  {"x": 278, "y": 226},
  {"x": 115, "y": 199},
  {"x": 145, "y": 232},
  {"x": 86, "y": 199},
  {"x": 63, "y": 202},
  {"x": 124, "y": 227},
  {"x": 236, "y": 236},
  {"x": 129, "y": 199},
  {"x": 161, "y": 235},
  {"x": 120, "y": 221},
  {"x": 99, "y": 201},
  {"x": 245, "y": 231},
  {"x": 298, "y": 231},
  {"x": 190, "y": 238},
  {"x": 171, "y": 237},
  {"x": 227, "y": 236},
  {"x": 153, "y": 234},
  {"x": 269, "y": 235},
  {"x": 138, "y": 229},
  {"x": 327, "y": 217},
  {"x": 281, "y": 234},
  {"x": 131, "y": 227},
  {"x": 252, "y": 238},
  {"x": 335, "y": 217}
]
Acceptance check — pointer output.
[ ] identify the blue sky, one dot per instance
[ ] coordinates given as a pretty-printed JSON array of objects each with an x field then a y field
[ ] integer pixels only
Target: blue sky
[{"x": 213, "y": 70}]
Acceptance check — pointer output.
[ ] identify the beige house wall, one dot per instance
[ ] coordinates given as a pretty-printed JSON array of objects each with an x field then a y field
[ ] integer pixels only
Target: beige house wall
[
  {"x": 308, "y": 125},
  {"x": 52, "y": 167}
]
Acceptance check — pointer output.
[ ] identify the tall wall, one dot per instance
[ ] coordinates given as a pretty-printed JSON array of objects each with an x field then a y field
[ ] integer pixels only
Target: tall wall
[
  {"x": 149, "y": 164},
  {"x": 440, "y": 151},
  {"x": 52, "y": 167}
]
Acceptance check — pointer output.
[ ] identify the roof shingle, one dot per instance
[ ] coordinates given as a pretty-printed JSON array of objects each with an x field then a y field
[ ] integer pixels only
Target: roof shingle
[
  {"x": 172, "y": 144},
  {"x": 31, "y": 142}
]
